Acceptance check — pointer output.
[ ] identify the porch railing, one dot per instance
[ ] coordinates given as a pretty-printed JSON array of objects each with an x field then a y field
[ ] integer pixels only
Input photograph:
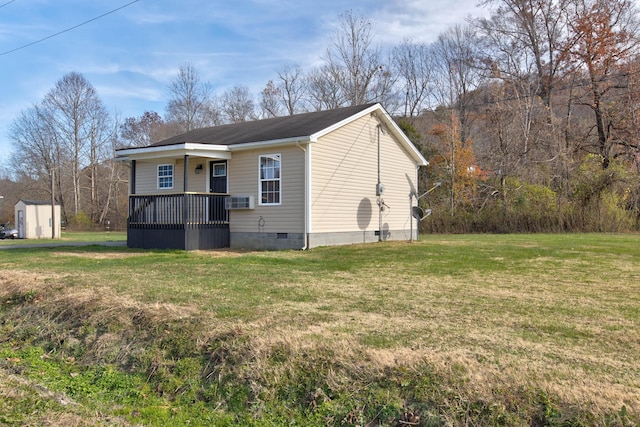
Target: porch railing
[{"x": 177, "y": 210}]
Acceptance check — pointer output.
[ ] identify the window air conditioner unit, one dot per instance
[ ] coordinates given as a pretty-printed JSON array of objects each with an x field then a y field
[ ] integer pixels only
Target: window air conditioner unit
[{"x": 239, "y": 202}]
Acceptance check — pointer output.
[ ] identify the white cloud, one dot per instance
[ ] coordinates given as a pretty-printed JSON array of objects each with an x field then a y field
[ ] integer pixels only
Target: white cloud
[
  {"x": 133, "y": 91},
  {"x": 422, "y": 21},
  {"x": 130, "y": 56}
]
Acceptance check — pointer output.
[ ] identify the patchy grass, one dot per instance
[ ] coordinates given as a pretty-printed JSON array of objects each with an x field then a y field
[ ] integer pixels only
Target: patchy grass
[
  {"x": 481, "y": 329},
  {"x": 94, "y": 236}
]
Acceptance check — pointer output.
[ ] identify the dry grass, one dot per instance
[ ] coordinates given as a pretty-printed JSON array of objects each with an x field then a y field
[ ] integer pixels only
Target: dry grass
[
  {"x": 490, "y": 328},
  {"x": 98, "y": 255},
  {"x": 567, "y": 323}
]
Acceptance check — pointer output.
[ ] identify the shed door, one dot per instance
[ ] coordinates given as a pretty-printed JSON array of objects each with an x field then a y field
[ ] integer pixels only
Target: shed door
[{"x": 21, "y": 224}]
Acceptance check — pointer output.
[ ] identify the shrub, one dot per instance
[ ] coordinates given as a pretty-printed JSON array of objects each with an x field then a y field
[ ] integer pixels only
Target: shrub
[{"x": 80, "y": 221}]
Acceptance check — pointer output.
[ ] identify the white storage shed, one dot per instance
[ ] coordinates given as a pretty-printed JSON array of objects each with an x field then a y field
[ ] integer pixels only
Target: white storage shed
[{"x": 34, "y": 220}]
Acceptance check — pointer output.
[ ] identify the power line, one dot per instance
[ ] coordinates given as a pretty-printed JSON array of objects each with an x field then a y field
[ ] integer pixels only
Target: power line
[
  {"x": 68, "y": 29},
  {"x": 9, "y": 2}
]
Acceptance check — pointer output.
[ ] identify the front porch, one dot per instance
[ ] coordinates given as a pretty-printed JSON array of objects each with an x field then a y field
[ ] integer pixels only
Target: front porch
[{"x": 186, "y": 221}]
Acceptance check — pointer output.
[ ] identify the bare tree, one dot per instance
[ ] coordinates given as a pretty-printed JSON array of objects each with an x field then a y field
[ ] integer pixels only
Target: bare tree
[
  {"x": 79, "y": 121},
  {"x": 516, "y": 93},
  {"x": 114, "y": 186},
  {"x": 354, "y": 64},
  {"x": 237, "y": 105},
  {"x": 628, "y": 125},
  {"x": 324, "y": 91},
  {"x": 36, "y": 156},
  {"x": 144, "y": 130},
  {"x": 191, "y": 104},
  {"x": 99, "y": 151},
  {"x": 287, "y": 94},
  {"x": 34, "y": 145},
  {"x": 61, "y": 142},
  {"x": 458, "y": 74},
  {"x": 384, "y": 88},
  {"x": 12, "y": 190},
  {"x": 414, "y": 65},
  {"x": 270, "y": 100},
  {"x": 292, "y": 88},
  {"x": 524, "y": 48},
  {"x": 537, "y": 27}
]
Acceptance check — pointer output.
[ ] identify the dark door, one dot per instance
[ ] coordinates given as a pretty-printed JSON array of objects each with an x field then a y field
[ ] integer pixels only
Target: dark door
[
  {"x": 219, "y": 177},
  {"x": 218, "y": 184}
]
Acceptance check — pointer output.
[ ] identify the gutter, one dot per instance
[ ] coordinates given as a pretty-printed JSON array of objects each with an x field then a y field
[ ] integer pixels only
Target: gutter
[{"x": 271, "y": 143}]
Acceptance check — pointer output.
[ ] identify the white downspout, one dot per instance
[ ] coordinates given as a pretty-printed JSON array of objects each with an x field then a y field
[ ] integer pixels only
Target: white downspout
[
  {"x": 306, "y": 198},
  {"x": 417, "y": 204}
]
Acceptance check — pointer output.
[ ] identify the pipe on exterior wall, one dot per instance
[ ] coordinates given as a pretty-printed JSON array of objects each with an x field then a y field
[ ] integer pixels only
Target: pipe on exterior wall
[
  {"x": 379, "y": 188},
  {"x": 417, "y": 204},
  {"x": 306, "y": 198}
]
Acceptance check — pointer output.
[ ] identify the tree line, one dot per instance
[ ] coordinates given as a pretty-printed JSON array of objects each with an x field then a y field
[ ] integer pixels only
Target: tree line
[{"x": 528, "y": 118}]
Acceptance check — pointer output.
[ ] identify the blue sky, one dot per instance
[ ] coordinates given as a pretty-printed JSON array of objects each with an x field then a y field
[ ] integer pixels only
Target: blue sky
[{"x": 131, "y": 55}]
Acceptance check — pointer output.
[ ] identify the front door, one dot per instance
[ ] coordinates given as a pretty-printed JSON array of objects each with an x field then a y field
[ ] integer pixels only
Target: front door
[
  {"x": 219, "y": 177},
  {"x": 218, "y": 184}
]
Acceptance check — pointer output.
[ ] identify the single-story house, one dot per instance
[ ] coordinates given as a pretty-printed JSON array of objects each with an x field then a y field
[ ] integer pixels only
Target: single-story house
[
  {"x": 36, "y": 220},
  {"x": 323, "y": 178}
]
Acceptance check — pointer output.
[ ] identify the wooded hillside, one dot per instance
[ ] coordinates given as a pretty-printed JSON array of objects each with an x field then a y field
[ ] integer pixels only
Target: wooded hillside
[{"x": 528, "y": 118}]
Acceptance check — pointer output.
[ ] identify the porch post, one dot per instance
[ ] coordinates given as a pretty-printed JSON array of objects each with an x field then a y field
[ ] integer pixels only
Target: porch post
[
  {"x": 185, "y": 200},
  {"x": 130, "y": 201},
  {"x": 186, "y": 172},
  {"x": 133, "y": 177}
]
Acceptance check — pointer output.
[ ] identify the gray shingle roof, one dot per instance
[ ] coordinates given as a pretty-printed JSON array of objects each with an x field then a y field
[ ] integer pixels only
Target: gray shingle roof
[
  {"x": 37, "y": 202},
  {"x": 299, "y": 125}
]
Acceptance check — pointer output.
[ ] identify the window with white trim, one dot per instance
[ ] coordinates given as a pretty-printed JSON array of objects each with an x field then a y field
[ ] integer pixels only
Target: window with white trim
[
  {"x": 165, "y": 177},
  {"x": 220, "y": 169},
  {"x": 270, "y": 179}
]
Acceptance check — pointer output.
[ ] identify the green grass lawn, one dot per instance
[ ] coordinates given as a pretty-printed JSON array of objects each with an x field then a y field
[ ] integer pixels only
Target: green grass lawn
[
  {"x": 451, "y": 330},
  {"x": 72, "y": 236},
  {"x": 94, "y": 236}
]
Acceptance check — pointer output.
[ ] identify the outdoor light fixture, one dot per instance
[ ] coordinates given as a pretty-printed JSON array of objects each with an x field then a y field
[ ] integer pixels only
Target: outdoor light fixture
[{"x": 198, "y": 169}]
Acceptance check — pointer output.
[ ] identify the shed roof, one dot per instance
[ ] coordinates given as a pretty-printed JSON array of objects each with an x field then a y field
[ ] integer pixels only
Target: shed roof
[{"x": 37, "y": 202}]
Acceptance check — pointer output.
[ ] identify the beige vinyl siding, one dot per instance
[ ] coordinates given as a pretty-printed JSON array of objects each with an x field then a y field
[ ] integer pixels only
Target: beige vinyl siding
[
  {"x": 198, "y": 183},
  {"x": 344, "y": 173},
  {"x": 147, "y": 176},
  {"x": 288, "y": 217}
]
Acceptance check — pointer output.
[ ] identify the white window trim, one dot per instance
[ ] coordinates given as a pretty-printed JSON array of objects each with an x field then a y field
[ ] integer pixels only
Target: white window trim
[
  {"x": 279, "y": 179},
  {"x": 172, "y": 176}
]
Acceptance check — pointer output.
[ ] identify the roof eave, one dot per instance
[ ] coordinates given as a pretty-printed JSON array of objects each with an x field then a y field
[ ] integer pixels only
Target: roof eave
[
  {"x": 406, "y": 143},
  {"x": 174, "y": 150},
  {"x": 271, "y": 143}
]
